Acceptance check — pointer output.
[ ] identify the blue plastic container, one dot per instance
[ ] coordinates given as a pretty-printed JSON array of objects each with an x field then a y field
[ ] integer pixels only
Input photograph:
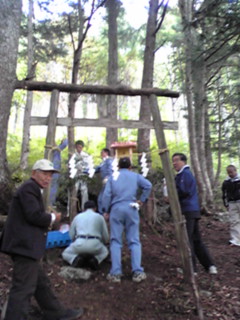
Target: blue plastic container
[{"x": 57, "y": 239}]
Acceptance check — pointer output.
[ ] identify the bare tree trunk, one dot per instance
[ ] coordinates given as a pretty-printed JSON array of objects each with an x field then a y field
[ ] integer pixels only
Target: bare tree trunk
[
  {"x": 219, "y": 153},
  {"x": 147, "y": 78},
  {"x": 82, "y": 33},
  {"x": 199, "y": 76},
  {"x": 93, "y": 89},
  {"x": 190, "y": 106},
  {"x": 29, "y": 102},
  {"x": 101, "y": 106},
  {"x": 196, "y": 104},
  {"x": 113, "y": 11},
  {"x": 16, "y": 117},
  {"x": 200, "y": 102},
  {"x": 71, "y": 108},
  {"x": 10, "y": 18},
  {"x": 209, "y": 159},
  {"x": 50, "y": 138}
]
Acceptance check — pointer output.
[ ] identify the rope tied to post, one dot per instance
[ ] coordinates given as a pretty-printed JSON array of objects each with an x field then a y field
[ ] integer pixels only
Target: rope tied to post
[
  {"x": 50, "y": 149},
  {"x": 161, "y": 151}
]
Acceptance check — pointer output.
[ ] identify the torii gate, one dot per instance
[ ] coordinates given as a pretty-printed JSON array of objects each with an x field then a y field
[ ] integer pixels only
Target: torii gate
[{"x": 52, "y": 121}]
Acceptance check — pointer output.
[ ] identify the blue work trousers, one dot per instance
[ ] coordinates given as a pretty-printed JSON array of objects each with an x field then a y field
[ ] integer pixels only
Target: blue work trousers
[{"x": 124, "y": 217}]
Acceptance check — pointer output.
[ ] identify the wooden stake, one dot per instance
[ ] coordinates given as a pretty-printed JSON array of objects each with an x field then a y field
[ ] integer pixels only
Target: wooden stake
[
  {"x": 179, "y": 220},
  {"x": 50, "y": 139}
]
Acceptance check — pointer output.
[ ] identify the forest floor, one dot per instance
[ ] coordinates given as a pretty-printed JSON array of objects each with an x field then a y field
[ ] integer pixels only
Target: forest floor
[{"x": 164, "y": 295}]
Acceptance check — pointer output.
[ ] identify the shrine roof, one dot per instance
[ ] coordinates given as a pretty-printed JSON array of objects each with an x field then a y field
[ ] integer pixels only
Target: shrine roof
[{"x": 124, "y": 144}]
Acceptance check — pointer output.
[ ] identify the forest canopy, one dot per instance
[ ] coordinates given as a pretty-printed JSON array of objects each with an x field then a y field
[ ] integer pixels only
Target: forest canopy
[{"x": 187, "y": 46}]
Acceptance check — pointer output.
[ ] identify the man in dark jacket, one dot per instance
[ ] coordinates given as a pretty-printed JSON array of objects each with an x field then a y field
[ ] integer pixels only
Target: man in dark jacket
[
  {"x": 24, "y": 239},
  {"x": 231, "y": 200},
  {"x": 188, "y": 198}
]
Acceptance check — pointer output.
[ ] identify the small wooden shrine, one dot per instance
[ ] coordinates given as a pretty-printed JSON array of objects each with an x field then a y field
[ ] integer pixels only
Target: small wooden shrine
[{"x": 124, "y": 149}]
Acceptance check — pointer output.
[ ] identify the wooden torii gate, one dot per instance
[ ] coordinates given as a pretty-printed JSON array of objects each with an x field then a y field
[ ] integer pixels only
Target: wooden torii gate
[{"x": 52, "y": 121}]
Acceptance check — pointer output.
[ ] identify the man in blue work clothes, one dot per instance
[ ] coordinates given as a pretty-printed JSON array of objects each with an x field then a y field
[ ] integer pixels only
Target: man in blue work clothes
[
  {"x": 105, "y": 170},
  {"x": 120, "y": 197},
  {"x": 188, "y": 198}
]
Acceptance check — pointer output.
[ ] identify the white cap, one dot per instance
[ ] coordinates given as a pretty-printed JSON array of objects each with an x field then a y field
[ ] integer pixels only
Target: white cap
[{"x": 44, "y": 165}]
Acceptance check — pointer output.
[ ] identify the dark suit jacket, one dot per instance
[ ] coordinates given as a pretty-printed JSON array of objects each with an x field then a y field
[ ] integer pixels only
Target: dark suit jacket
[{"x": 25, "y": 230}]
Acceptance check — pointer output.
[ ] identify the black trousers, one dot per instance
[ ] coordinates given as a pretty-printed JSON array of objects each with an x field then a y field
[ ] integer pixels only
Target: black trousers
[
  {"x": 29, "y": 279},
  {"x": 198, "y": 249}
]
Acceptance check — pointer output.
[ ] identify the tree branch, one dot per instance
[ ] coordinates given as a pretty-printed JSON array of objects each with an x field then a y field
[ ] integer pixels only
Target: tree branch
[{"x": 162, "y": 16}]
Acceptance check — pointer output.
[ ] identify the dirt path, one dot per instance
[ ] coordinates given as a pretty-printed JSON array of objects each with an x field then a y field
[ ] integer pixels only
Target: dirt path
[{"x": 164, "y": 295}]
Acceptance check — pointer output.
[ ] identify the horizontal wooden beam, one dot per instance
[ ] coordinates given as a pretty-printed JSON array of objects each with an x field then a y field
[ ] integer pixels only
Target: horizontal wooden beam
[
  {"x": 108, "y": 123},
  {"x": 93, "y": 89}
]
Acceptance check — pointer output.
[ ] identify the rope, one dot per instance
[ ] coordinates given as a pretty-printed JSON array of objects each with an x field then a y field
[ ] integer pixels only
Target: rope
[
  {"x": 51, "y": 149},
  {"x": 73, "y": 198},
  {"x": 77, "y": 200},
  {"x": 179, "y": 222},
  {"x": 48, "y": 146},
  {"x": 161, "y": 151}
]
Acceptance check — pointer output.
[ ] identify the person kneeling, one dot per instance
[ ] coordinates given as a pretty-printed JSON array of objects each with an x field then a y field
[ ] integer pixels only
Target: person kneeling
[{"x": 89, "y": 234}]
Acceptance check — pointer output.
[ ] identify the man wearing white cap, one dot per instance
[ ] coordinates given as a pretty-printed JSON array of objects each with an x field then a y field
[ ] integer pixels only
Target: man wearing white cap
[{"x": 24, "y": 239}]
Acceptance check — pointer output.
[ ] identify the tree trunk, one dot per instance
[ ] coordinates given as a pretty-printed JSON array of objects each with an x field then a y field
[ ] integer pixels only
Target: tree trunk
[
  {"x": 10, "y": 18},
  {"x": 209, "y": 159},
  {"x": 199, "y": 76},
  {"x": 29, "y": 102},
  {"x": 112, "y": 108},
  {"x": 93, "y": 89},
  {"x": 196, "y": 102},
  {"x": 219, "y": 153},
  {"x": 50, "y": 138},
  {"x": 147, "y": 78},
  {"x": 186, "y": 13},
  {"x": 101, "y": 106}
]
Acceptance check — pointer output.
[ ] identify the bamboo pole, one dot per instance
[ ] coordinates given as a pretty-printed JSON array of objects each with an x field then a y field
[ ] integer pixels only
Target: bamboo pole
[{"x": 178, "y": 218}]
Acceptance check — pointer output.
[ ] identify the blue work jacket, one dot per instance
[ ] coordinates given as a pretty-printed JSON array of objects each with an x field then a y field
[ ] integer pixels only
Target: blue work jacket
[
  {"x": 123, "y": 186},
  {"x": 187, "y": 190}
]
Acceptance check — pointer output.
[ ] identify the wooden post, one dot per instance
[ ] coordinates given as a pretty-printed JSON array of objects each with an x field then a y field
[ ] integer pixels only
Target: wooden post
[
  {"x": 50, "y": 139},
  {"x": 179, "y": 220}
]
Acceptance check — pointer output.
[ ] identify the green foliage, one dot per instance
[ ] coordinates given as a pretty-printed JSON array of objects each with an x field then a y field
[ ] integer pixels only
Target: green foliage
[
  {"x": 48, "y": 38},
  {"x": 36, "y": 150},
  {"x": 52, "y": 44},
  {"x": 13, "y": 151},
  {"x": 173, "y": 147},
  {"x": 94, "y": 61}
]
